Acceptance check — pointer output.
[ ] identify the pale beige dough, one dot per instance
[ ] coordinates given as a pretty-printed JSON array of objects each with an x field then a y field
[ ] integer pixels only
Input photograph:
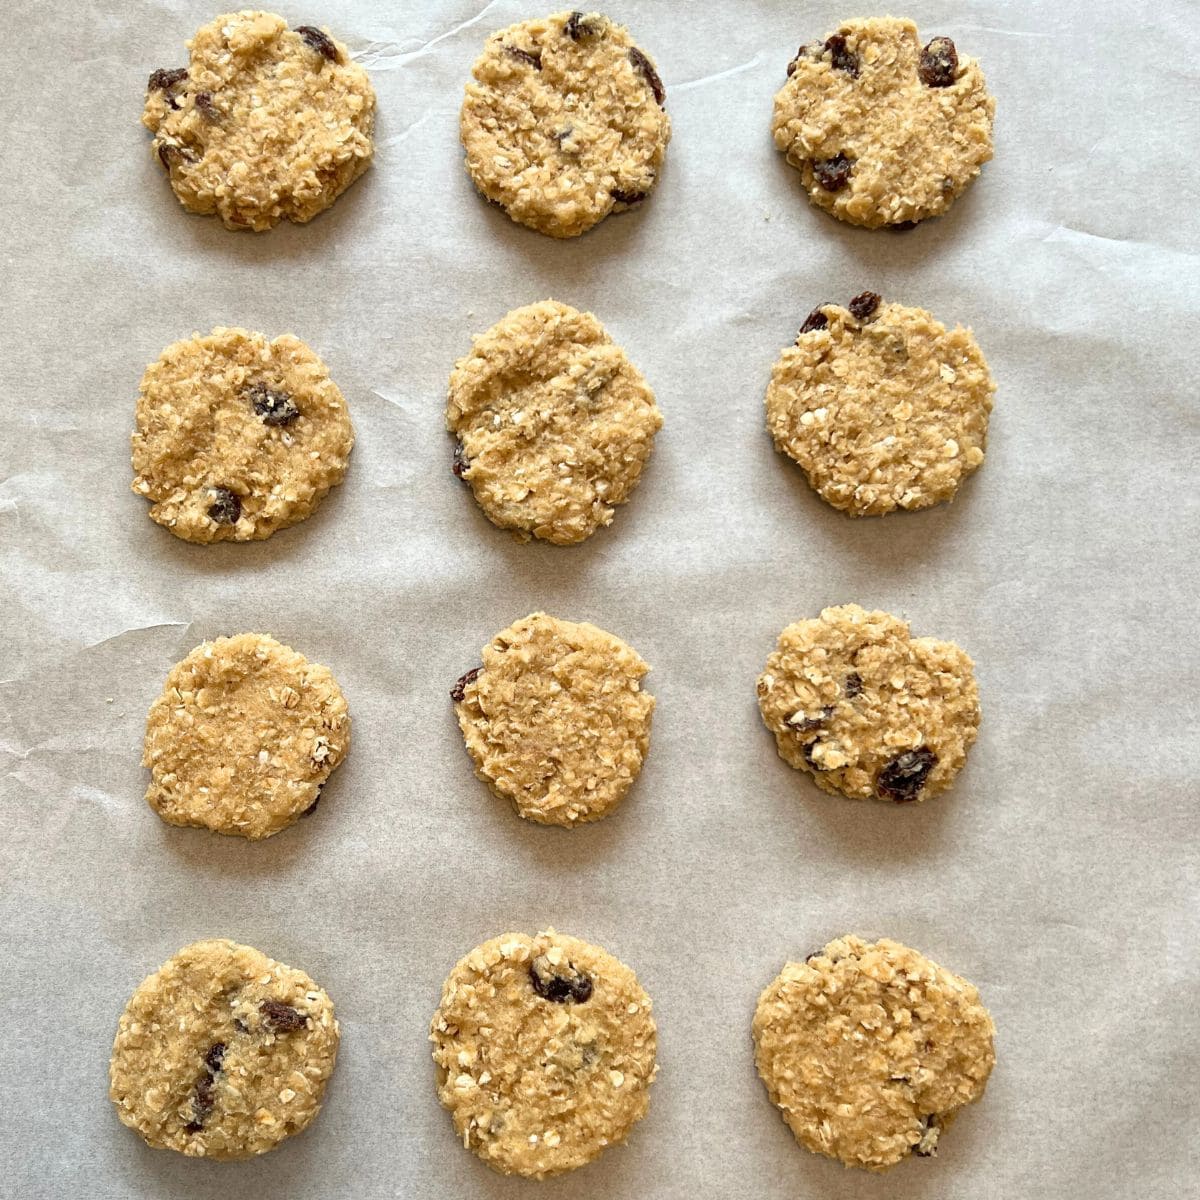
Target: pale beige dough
[
  {"x": 909, "y": 148},
  {"x": 556, "y": 720},
  {"x": 238, "y": 436},
  {"x": 870, "y": 1049},
  {"x": 868, "y": 710},
  {"x": 563, "y": 122},
  {"x": 553, "y": 421},
  {"x": 882, "y": 412},
  {"x": 545, "y": 1052},
  {"x": 266, "y": 124},
  {"x": 243, "y": 737},
  {"x": 222, "y": 1053}
]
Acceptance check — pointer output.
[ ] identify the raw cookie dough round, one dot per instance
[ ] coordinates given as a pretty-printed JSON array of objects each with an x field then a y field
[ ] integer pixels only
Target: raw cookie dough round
[
  {"x": 554, "y": 423},
  {"x": 237, "y": 436},
  {"x": 881, "y": 405},
  {"x": 545, "y": 1049},
  {"x": 264, "y": 124},
  {"x": 868, "y": 710},
  {"x": 555, "y": 719},
  {"x": 882, "y": 131},
  {"x": 869, "y": 1050},
  {"x": 243, "y": 737},
  {"x": 222, "y": 1053},
  {"x": 564, "y": 122}
]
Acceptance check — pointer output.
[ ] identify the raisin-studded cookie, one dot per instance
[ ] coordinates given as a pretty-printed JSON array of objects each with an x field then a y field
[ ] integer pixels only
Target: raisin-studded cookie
[
  {"x": 238, "y": 436},
  {"x": 555, "y": 719},
  {"x": 545, "y": 1049},
  {"x": 881, "y": 405},
  {"x": 222, "y": 1053},
  {"x": 868, "y": 710},
  {"x": 243, "y": 737},
  {"x": 264, "y": 124},
  {"x": 870, "y": 1050},
  {"x": 882, "y": 131},
  {"x": 563, "y": 122},
  {"x": 554, "y": 424}
]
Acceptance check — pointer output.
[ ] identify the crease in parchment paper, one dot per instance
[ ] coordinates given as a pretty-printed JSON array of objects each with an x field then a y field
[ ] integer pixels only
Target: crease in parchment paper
[{"x": 387, "y": 56}]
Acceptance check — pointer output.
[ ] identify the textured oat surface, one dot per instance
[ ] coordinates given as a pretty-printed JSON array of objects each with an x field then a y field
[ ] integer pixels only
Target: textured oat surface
[
  {"x": 545, "y": 1050},
  {"x": 222, "y": 1052},
  {"x": 243, "y": 737},
  {"x": 556, "y": 721},
  {"x": 563, "y": 122},
  {"x": 267, "y": 124},
  {"x": 237, "y": 436},
  {"x": 911, "y": 148},
  {"x": 868, "y": 710},
  {"x": 885, "y": 412},
  {"x": 870, "y": 1049},
  {"x": 554, "y": 423}
]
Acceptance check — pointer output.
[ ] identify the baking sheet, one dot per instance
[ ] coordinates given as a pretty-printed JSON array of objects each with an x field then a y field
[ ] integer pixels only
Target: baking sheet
[{"x": 1059, "y": 875}]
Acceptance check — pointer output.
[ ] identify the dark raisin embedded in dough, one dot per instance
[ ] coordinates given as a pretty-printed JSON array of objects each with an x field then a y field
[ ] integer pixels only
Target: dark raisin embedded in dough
[
  {"x": 203, "y": 1096},
  {"x": 534, "y": 60},
  {"x": 807, "y": 750},
  {"x": 321, "y": 42},
  {"x": 622, "y": 197},
  {"x": 169, "y": 151},
  {"x": 461, "y": 464},
  {"x": 852, "y": 685},
  {"x": 791, "y": 67},
  {"x": 280, "y": 1017},
  {"x": 646, "y": 69},
  {"x": 904, "y": 777},
  {"x": 832, "y": 173},
  {"x": 815, "y": 320},
  {"x": 939, "y": 63},
  {"x": 275, "y": 407},
  {"x": 561, "y": 984},
  {"x": 844, "y": 59},
  {"x": 226, "y": 508},
  {"x": 577, "y": 27},
  {"x": 808, "y": 724},
  {"x": 164, "y": 80},
  {"x": 204, "y": 103},
  {"x": 215, "y": 1056},
  {"x": 459, "y": 690},
  {"x": 864, "y": 304}
]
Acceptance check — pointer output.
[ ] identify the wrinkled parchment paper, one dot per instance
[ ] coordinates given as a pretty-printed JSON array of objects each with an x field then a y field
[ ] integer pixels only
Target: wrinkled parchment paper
[{"x": 1060, "y": 875}]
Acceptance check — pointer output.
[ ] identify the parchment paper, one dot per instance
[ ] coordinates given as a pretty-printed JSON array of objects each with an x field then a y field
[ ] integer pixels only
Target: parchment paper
[{"x": 1059, "y": 874}]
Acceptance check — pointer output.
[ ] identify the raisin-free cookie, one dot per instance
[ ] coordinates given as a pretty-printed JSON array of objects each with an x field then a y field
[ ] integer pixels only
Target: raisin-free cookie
[
  {"x": 243, "y": 737},
  {"x": 264, "y": 124},
  {"x": 555, "y": 719},
  {"x": 554, "y": 423},
  {"x": 545, "y": 1050},
  {"x": 881, "y": 405},
  {"x": 866, "y": 709},
  {"x": 883, "y": 131},
  {"x": 563, "y": 122},
  {"x": 238, "y": 436},
  {"x": 222, "y": 1053},
  {"x": 869, "y": 1050}
]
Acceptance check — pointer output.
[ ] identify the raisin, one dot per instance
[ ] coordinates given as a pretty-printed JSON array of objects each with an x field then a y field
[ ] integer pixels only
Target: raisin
[
  {"x": 203, "y": 1096},
  {"x": 578, "y": 28},
  {"x": 815, "y": 320},
  {"x": 844, "y": 59},
  {"x": 561, "y": 983},
  {"x": 832, "y": 173},
  {"x": 791, "y": 67},
  {"x": 623, "y": 197},
  {"x": 808, "y": 724},
  {"x": 240, "y": 1025},
  {"x": 864, "y": 304},
  {"x": 226, "y": 508},
  {"x": 275, "y": 407},
  {"x": 322, "y": 43},
  {"x": 903, "y": 778},
  {"x": 853, "y": 685},
  {"x": 204, "y": 102},
  {"x": 807, "y": 750},
  {"x": 172, "y": 150},
  {"x": 281, "y": 1018},
  {"x": 646, "y": 69},
  {"x": 164, "y": 79},
  {"x": 461, "y": 464},
  {"x": 534, "y": 60},
  {"x": 459, "y": 690},
  {"x": 939, "y": 63},
  {"x": 901, "y": 226},
  {"x": 215, "y": 1056}
]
